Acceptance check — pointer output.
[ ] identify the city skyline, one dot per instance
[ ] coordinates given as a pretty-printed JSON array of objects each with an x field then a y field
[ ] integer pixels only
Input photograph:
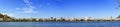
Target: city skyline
[{"x": 59, "y": 8}]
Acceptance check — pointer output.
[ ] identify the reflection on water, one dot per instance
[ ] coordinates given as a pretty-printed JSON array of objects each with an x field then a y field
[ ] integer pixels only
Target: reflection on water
[{"x": 60, "y": 24}]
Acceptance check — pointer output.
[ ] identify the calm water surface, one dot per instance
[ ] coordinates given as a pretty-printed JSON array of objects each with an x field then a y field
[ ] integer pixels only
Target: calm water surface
[{"x": 60, "y": 24}]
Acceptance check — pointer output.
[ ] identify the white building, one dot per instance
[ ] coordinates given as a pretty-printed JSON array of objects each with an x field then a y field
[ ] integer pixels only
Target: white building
[{"x": 1, "y": 19}]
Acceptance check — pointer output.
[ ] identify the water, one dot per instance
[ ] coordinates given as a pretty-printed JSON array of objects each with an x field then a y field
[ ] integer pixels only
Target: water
[{"x": 60, "y": 24}]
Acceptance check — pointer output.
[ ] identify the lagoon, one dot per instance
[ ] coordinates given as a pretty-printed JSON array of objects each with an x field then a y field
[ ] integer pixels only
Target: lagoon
[{"x": 61, "y": 24}]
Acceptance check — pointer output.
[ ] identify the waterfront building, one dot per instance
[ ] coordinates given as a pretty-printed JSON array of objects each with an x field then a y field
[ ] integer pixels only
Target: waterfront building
[
  {"x": 77, "y": 19},
  {"x": 86, "y": 18},
  {"x": 62, "y": 19},
  {"x": 37, "y": 19},
  {"x": 1, "y": 19},
  {"x": 42, "y": 19},
  {"x": 70, "y": 19},
  {"x": 52, "y": 19}
]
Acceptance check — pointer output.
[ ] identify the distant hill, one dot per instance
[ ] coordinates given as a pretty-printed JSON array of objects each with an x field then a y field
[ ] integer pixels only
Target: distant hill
[
  {"x": 2, "y": 16},
  {"x": 118, "y": 16}
]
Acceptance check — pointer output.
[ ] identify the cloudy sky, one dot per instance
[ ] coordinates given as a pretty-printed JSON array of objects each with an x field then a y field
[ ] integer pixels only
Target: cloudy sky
[{"x": 59, "y": 8}]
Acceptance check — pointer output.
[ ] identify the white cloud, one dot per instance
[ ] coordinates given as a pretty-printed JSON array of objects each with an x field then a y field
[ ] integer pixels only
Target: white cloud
[
  {"x": 27, "y": 2},
  {"x": 29, "y": 8}
]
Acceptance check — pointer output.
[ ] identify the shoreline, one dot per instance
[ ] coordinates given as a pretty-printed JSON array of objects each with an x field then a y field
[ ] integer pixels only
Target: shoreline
[{"x": 57, "y": 21}]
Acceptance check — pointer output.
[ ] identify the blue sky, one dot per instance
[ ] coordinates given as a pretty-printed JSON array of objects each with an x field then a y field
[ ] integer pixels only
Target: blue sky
[{"x": 59, "y": 8}]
